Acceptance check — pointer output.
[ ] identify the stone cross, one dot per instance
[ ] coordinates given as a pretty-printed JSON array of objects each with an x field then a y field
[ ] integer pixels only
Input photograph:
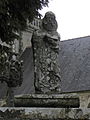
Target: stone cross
[{"x": 45, "y": 44}]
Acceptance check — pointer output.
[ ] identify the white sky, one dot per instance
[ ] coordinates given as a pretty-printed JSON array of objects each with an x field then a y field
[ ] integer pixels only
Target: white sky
[{"x": 73, "y": 17}]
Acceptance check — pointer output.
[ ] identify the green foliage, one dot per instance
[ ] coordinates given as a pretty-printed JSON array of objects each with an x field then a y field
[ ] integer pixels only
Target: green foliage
[{"x": 14, "y": 15}]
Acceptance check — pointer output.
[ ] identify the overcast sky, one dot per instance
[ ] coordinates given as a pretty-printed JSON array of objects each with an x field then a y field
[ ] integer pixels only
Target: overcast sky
[{"x": 73, "y": 17}]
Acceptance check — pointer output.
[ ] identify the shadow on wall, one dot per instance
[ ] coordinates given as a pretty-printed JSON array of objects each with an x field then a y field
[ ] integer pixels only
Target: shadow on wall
[{"x": 27, "y": 86}]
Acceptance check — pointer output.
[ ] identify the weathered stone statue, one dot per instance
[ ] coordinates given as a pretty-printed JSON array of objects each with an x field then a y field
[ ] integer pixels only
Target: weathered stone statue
[{"x": 45, "y": 44}]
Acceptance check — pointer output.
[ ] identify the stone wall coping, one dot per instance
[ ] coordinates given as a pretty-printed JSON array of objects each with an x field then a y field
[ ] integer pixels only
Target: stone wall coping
[{"x": 74, "y": 95}]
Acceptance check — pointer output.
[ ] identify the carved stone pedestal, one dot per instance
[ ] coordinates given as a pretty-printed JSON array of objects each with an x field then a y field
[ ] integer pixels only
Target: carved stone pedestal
[
  {"x": 47, "y": 100},
  {"x": 45, "y": 107}
]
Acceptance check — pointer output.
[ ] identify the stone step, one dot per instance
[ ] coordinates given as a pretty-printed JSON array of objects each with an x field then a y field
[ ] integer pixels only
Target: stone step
[
  {"x": 43, "y": 100},
  {"x": 22, "y": 113}
]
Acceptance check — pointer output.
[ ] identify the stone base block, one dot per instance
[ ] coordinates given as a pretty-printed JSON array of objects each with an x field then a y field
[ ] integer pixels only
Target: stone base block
[
  {"x": 44, "y": 114},
  {"x": 44, "y": 100}
]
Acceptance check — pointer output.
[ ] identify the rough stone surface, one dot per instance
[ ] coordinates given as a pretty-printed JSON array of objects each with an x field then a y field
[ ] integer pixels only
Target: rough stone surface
[
  {"x": 44, "y": 100},
  {"x": 44, "y": 114},
  {"x": 45, "y": 44},
  {"x": 84, "y": 99}
]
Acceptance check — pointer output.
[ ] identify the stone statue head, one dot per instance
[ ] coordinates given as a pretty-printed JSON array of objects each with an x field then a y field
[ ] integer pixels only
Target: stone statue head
[{"x": 49, "y": 22}]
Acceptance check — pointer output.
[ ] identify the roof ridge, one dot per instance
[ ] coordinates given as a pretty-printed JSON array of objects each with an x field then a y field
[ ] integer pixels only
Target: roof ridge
[{"x": 75, "y": 38}]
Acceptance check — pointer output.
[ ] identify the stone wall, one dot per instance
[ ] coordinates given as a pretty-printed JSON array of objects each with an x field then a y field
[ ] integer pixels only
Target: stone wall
[
  {"x": 44, "y": 114},
  {"x": 26, "y": 39},
  {"x": 27, "y": 35},
  {"x": 84, "y": 99}
]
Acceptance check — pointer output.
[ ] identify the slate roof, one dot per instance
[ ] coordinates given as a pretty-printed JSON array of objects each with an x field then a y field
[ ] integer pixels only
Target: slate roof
[{"x": 74, "y": 63}]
